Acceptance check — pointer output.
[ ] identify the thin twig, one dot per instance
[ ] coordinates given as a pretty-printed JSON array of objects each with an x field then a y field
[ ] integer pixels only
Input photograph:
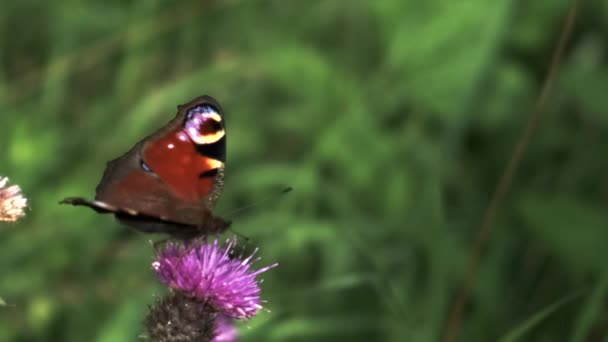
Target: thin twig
[{"x": 456, "y": 313}]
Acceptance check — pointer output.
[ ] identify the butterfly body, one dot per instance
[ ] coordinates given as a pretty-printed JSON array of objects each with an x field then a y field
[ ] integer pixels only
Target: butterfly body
[{"x": 169, "y": 181}]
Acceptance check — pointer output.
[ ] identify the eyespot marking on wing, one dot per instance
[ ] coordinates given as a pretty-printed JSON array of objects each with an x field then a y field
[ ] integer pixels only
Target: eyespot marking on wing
[
  {"x": 204, "y": 125},
  {"x": 145, "y": 166}
]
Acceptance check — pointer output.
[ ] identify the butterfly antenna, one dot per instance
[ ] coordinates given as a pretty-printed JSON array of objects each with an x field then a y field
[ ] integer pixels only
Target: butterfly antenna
[
  {"x": 239, "y": 235},
  {"x": 262, "y": 201}
]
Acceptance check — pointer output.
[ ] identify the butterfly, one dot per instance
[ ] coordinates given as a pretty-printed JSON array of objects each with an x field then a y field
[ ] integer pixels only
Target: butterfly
[{"x": 170, "y": 180}]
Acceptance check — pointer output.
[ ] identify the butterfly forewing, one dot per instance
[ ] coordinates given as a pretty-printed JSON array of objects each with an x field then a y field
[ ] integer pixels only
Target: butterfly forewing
[{"x": 171, "y": 178}]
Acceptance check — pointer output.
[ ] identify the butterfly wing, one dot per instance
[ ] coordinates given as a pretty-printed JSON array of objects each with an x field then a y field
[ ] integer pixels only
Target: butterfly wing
[{"x": 172, "y": 177}]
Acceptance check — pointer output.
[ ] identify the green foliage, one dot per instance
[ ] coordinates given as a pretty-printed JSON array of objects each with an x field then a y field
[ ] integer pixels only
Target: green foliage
[{"x": 392, "y": 120}]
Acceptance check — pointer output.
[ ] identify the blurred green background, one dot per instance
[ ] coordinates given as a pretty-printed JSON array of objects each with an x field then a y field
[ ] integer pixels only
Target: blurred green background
[{"x": 392, "y": 119}]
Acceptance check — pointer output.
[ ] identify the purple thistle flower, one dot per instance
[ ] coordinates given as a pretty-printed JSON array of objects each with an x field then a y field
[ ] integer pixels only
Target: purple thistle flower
[{"x": 208, "y": 272}]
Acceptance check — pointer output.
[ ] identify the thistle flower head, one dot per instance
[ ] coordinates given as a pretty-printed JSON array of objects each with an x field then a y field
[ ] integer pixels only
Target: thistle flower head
[
  {"x": 209, "y": 272},
  {"x": 12, "y": 203},
  {"x": 178, "y": 317}
]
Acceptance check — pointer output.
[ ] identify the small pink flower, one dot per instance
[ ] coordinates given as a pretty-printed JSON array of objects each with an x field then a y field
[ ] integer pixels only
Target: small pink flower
[
  {"x": 12, "y": 203},
  {"x": 225, "y": 331}
]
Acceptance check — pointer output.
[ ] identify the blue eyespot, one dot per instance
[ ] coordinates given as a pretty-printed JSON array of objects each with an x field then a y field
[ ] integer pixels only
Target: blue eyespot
[
  {"x": 206, "y": 108},
  {"x": 145, "y": 166}
]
